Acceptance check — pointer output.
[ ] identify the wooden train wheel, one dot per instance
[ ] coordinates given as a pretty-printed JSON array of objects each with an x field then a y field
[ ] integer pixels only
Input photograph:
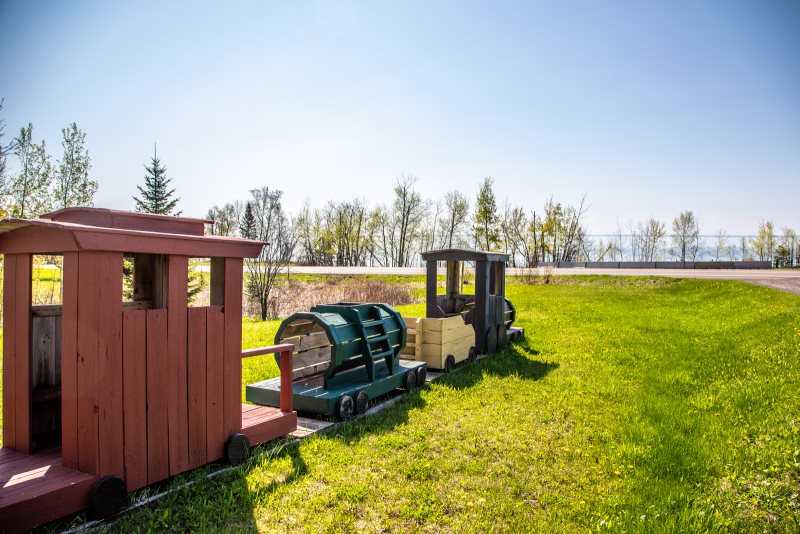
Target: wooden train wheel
[
  {"x": 502, "y": 336},
  {"x": 345, "y": 407},
  {"x": 109, "y": 496},
  {"x": 473, "y": 355},
  {"x": 491, "y": 341},
  {"x": 422, "y": 374},
  {"x": 409, "y": 381},
  {"x": 362, "y": 402},
  {"x": 449, "y": 363},
  {"x": 237, "y": 449}
]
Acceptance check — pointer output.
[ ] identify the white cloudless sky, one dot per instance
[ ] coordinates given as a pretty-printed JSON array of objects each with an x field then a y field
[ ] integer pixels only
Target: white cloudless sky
[{"x": 646, "y": 108}]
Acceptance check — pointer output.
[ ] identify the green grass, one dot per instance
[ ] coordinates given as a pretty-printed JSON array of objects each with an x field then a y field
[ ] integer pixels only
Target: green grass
[{"x": 635, "y": 404}]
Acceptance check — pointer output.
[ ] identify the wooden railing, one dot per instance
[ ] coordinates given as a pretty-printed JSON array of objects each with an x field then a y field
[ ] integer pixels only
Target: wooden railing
[{"x": 285, "y": 350}]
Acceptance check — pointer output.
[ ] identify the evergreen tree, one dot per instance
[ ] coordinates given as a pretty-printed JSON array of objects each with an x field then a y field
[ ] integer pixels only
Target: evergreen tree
[
  {"x": 248, "y": 224},
  {"x": 156, "y": 197},
  {"x": 487, "y": 221}
]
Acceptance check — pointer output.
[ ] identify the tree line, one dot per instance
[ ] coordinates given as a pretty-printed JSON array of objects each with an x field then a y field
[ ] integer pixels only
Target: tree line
[{"x": 41, "y": 183}]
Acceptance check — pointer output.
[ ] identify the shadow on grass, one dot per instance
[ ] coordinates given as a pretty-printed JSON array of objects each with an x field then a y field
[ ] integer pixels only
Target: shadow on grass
[
  {"x": 513, "y": 360},
  {"x": 231, "y": 501}
]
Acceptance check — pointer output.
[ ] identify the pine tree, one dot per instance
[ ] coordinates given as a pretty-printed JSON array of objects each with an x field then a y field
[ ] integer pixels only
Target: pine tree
[
  {"x": 156, "y": 197},
  {"x": 248, "y": 224}
]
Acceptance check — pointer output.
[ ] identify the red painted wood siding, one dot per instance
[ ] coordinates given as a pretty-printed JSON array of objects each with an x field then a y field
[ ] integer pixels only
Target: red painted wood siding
[
  {"x": 16, "y": 352},
  {"x": 69, "y": 362},
  {"x": 178, "y": 276},
  {"x": 196, "y": 378},
  {"x": 134, "y": 405},
  {"x": 232, "y": 411}
]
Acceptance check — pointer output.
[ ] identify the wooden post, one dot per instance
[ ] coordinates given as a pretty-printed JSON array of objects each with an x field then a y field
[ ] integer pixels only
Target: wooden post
[
  {"x": 16, "y": 350},
  {"x": 481, "y": 304},
  {"x": 177, "y": 304},
  {"x": 431, "y": 307},
  {"x": 232, "y": 364},
  {"x": 286, "y": 381},
  {"x": 69, "y": 362}
]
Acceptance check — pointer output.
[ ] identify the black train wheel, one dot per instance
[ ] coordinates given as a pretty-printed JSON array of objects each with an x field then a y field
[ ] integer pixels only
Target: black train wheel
[
  {"x": 449, "y": 363},
  {"x": 109, "y": 496},
  {"x": 491, "y": 341},
  {"x": 362, "y": 402},
  {"x": 409, "y": 381},
  {"x": 237, "y": 449},
  {"x": 473, "y": 355},
  {"x": 502, "y": 336},
  {"x": 422, "y": 374},
  {"x": 345, "y": 407}
]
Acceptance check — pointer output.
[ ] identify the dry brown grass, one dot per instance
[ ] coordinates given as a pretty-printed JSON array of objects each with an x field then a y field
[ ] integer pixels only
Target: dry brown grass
[{"x": 300, "y": 295}]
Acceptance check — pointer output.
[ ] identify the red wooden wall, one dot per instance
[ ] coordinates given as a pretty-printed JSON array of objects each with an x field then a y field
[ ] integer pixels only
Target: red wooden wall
[
  {"x": 16, "y": 352},
  {"x": 146, "y": 394}
]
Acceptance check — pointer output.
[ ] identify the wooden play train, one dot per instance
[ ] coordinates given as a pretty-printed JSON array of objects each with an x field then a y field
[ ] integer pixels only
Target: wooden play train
[{"x": 102, "y": 397}]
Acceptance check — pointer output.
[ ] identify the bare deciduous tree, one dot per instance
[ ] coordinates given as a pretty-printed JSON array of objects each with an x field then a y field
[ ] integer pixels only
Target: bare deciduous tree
[
  {"x": 686, "y": 236},
  {"x": 272, "y": 226}
]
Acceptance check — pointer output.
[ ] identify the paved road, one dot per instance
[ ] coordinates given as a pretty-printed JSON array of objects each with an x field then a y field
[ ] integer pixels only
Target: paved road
[{"x": 786, "y": 280}]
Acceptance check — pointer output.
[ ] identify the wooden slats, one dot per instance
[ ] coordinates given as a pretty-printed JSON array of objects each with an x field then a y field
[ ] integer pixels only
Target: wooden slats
[
  {"x": 232, "y": 378},
  {"x": 196, "y": 377},
  {"x": 9, "y": 352},
  {"x": 109, "y": 365},
  {"x": 178, "y": 276},
  {"x": 157, "y": 396},
  {"x": 134, "y": 405},
  {"x": 215, "y": 346},
  {"x": 88, "y": 301},
  {"x": 69, "y": 362}
]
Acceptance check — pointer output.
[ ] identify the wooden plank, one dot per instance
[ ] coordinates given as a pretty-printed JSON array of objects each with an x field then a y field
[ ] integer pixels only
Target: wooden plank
[
  {"x": 46, "y": 310},
  {"x": 232, "y": 379},
  {"x": 69, "y": 362},
  {"x": 196, "y": 377},
  {"x": 265, "y": 423},
  {"x": 22, "y": 390},
  {"x": 143, "y": 269},
  {"x": 64, "y": 492},
  {"x": 88, "y": 300},
  {"x": 45, "y": 351},
  {"x": 215, "y": 348},
  {"x": 132, "y": 241},
  {"x": 217, "y": 282},
  {"x": 134, "y": 399},
  {"x": 149, "y": 222},
  {"x": 110, "y": 441},
  {"x": 157, "y": 385},
  {"x": 177, "y": 303},
  {"x": 431, "y": 286},
  {"x": 9, "y": 352},
  {"x": 37, "y": 240}
]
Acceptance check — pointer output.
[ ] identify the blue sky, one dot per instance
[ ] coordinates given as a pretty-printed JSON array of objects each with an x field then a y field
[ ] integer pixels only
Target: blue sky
[{"x": 647, "y": 108}]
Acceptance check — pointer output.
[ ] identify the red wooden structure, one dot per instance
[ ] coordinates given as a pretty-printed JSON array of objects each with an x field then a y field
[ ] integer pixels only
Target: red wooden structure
[{"x": 140, "y": 390}]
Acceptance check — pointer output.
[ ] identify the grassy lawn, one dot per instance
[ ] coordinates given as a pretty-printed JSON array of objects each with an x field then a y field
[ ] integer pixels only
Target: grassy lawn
[{"x": 635, "y": 404}]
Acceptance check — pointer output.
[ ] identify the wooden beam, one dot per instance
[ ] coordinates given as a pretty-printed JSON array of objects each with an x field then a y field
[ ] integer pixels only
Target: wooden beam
[
  {"x": 232, "y": 372},
  {"x": 177, "y": 304},
  {"x": 69, "y": 362}
]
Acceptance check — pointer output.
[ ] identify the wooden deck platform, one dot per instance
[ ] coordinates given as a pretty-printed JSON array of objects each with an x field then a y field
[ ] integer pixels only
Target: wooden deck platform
[
  {"x": 264, "y": 423},
  {"x": 37, "y": 489}
]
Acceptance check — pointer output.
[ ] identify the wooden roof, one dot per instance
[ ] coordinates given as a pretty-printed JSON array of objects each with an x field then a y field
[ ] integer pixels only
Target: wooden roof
[
  {"x": 76, "y": 229},
  {"x": 459, "y": 254}
]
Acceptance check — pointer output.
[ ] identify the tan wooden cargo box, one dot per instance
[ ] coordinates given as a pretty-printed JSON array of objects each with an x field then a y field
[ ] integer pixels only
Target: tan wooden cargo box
[{"x": 433, "y": 341}]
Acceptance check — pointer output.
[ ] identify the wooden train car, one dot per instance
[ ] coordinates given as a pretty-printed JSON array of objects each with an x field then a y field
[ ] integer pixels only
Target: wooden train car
[
  {"x": 441, "y": 343},
  {"x": 488, "y": 310},
  {"x": 346, "y": 356},
  {"x": 101, "y": 396}
]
